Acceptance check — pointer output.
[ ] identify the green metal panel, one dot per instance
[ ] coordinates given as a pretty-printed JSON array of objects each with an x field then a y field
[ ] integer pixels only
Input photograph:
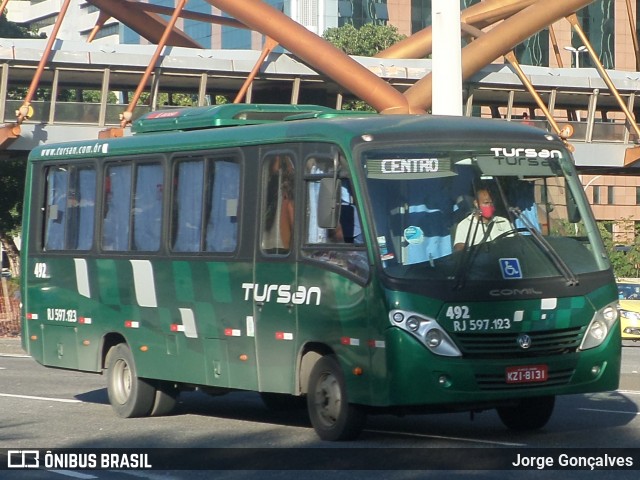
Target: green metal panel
[
  {"x": 60, "y": 346},
  {"x": 275, "y": 326}
]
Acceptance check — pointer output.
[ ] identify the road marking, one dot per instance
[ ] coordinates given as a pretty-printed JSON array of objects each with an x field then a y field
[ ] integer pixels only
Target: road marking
[
  {"x": 30, "y": 397},
  {"x": 442, "y": 437},
  {"x": 68, "y": 473},
  {"x": 15, "y": 355},
  {"x": 609, "y": 411},
  {"x": 628, "y": 392}
]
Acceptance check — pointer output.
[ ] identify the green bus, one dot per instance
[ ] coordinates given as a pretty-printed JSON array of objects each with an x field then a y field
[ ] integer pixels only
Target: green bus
[{"x": 303, "y": 252}]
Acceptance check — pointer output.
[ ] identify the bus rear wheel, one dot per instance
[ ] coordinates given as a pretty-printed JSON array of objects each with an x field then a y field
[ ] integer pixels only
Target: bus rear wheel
[
  {"x": 129, "y": 395},
  {"x": 528, "y": 413},
  {"x": 331, "y": 415}
]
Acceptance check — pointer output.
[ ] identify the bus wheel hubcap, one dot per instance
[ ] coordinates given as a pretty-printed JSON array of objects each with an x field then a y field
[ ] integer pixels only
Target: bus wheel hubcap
[
  {"x": 328, "y": 399},
  {"x": 123, "y": 381}
]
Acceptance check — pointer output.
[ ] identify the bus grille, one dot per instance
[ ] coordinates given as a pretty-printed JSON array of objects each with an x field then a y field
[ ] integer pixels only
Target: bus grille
[
  {"x": 497, "y": 381},
  {"x": 505, "y": 345}
]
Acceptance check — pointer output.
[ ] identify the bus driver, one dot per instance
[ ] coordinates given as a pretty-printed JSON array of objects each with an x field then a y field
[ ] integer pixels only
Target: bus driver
[{"x": 482, "y": 224}]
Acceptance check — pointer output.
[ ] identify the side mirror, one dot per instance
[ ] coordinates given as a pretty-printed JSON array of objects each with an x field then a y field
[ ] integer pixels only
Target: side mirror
[
  {"x": 573, "y": 213},
  {"x": 329, "y": 203}
]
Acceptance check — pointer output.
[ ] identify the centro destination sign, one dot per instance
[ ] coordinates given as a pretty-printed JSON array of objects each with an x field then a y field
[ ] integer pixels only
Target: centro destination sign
[{"x": 409, "y": 168}]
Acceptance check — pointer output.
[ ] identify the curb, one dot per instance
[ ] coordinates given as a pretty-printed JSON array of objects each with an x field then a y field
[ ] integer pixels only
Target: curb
[{"x": 11, "y": 346}]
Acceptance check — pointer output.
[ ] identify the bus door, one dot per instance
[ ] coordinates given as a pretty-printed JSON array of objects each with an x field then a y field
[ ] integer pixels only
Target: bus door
[{"x": 275, "y": 284}]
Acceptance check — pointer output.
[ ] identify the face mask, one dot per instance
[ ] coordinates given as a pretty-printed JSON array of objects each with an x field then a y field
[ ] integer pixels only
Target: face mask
[{"x": 487, "y": 211}]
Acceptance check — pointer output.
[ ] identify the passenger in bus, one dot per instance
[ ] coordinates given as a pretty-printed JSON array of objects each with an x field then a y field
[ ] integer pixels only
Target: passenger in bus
[
  {"x": 279, "y": 215},
  {"x": 482, "y": 224}
]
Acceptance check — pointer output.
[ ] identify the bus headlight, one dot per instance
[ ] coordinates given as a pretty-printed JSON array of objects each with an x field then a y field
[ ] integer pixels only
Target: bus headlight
[
  {"x": 433, "y": 338},
  {"x": 600, "y": 326},
  {"x": 413, "y": 324},
  {"x": 427, "y": 331}
]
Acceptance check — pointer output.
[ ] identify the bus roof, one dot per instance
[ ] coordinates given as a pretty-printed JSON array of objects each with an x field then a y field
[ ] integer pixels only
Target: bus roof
[
  {"x": 287, "y": 123},
  {"x": 228, "y": 115}
]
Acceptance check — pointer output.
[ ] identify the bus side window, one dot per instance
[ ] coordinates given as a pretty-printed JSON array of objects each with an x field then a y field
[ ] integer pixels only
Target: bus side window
[
  {"x": 206, "y": 202},
  {"x": 348, "y": 230},
  {"x": 147, "y": 207},
  {"x": 117, "y": 207},
  {"x": 278, "y": 204},
  {"x": 81, "y": 209},
  {"x": 222, "y": 224},
  {"x": 70, "y": 208},
  {"x": 188, "y": 202},
  {"x": 342, "y": 247},
  {"x": 56, "y": 205}
]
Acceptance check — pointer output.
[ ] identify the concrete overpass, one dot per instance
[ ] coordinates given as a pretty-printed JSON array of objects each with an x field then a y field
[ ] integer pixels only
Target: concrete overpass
[{"x": 577, "y": 97}]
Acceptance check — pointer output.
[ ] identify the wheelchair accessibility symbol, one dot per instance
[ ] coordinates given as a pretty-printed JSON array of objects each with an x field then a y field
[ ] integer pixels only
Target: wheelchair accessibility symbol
[{"x": 510, "y": 268}]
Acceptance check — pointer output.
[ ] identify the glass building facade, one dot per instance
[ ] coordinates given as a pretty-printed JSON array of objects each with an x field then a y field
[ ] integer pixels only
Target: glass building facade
[
  {"x": 361, "y": 12},
  {"x": 597, "y": 19},
  {"x": 598, "y": 22}
]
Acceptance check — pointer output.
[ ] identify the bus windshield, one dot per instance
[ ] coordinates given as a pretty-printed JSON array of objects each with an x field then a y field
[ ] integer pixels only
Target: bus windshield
[{"x": 480, "y": 214}]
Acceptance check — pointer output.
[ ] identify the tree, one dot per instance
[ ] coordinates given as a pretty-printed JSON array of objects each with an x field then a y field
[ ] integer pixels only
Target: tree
[
  {"x": 11, "y": 193},
  {"x": 365, "y": 41},
  {"x": 12, "y": 177},
  {"x": 13, "y": 30},
  {"x": 624, "y": 258}
]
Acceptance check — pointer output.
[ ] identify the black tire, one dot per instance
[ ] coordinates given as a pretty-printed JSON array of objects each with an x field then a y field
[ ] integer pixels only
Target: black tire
[
  {"x": 165, "y": 399},
  {"x": 330, "y": 412},
  {"x": 280, "y": 402},
  {"x": 528, "y": 414},
  {"x": 129, "y": 395}
]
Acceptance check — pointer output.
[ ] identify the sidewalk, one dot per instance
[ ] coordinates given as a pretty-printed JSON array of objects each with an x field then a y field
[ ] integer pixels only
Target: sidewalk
[{"x": 11, "y": 346}]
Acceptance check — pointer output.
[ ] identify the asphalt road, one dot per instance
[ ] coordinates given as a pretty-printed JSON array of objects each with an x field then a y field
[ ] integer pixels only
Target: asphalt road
[{"x": 43, "y": 408}]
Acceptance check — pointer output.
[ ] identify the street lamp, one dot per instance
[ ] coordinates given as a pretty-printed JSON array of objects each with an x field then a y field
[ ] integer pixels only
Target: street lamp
[{"x": 576, "y": 53}]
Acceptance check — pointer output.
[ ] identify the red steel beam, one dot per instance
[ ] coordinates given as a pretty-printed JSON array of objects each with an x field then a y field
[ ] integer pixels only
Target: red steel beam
[
  {"x": 499, "y": 41},
  {"x": 148, "y": 24},
  {"x": 318, "y": 53}
]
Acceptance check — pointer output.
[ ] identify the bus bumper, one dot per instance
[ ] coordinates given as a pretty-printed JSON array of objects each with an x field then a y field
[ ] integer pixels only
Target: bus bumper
[{"x": 421, "y": 378}]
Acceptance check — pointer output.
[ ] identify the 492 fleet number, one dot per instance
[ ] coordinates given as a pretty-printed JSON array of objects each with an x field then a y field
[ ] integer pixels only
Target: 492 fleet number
[{"x": 463, "y": 322}]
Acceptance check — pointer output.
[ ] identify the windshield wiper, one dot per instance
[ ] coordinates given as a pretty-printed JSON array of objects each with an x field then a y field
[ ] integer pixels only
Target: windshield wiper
[
  {"x": 546, "y": 248},
  {"x": 469, "y": 253}
]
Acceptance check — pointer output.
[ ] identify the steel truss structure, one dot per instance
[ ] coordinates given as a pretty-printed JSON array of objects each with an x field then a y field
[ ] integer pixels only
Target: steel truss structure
[{"x": 493, "y": 28}]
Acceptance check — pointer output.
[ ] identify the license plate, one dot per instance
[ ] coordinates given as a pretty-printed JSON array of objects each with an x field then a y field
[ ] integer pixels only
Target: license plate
[{"x": 527, "y": 374}]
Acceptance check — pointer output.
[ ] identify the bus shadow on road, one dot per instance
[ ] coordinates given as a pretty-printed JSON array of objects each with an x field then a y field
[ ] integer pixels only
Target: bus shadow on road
[
  {"x": 584, "y": 413},
  {"x": 246, "y": 406},
  {"x": 99, "y": 396}
]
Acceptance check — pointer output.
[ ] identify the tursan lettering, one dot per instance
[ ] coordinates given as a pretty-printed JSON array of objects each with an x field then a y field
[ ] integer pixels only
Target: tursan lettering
[
  {"x": 521, "y": 152},
  {"x": 410, "y": 165},
  {"x": 281, "y": 294}
]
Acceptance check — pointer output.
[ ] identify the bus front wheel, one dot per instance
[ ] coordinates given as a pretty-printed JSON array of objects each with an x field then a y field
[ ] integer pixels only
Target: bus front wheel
[
  {"x": 129, "y": 395},
  {"x": 528, "y": 413},
  {"x": 331, "y": 415}
]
